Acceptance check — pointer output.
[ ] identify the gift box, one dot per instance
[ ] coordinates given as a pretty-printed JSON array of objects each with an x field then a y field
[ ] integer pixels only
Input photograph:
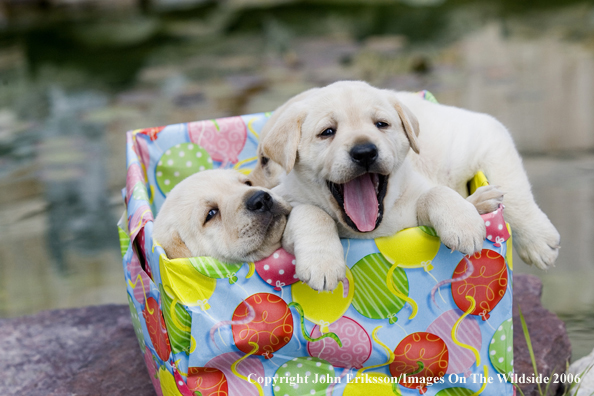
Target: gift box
[{"x": 412, "y": 317}]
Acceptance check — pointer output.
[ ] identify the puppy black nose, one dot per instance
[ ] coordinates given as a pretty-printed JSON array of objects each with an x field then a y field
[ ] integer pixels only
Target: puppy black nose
[
  {"x": 364, "y": 154},
  {"x": 260, "y": 201}
]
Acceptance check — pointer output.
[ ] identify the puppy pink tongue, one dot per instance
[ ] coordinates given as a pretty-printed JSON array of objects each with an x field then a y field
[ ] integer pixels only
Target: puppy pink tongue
[{"x": 360, "y": 202}]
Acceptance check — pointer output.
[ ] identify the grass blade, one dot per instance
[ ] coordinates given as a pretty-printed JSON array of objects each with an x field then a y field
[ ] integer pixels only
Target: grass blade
[
  {"x": 518, "y": 388},
  {"x": 549, "y": 382},
  {"x": 529, "y": 344}
]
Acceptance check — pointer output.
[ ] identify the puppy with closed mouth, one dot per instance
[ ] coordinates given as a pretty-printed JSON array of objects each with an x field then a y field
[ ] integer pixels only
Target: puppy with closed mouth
[
  {"x": 218, "y": 213},
  {"x": 377, "y": 161}
]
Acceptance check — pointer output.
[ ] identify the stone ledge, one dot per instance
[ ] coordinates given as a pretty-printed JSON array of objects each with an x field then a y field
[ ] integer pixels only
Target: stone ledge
[{"x": 94, "y": 351}]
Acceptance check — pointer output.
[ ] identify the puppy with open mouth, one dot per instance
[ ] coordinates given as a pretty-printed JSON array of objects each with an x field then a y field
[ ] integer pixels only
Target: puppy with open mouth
[
  {"x": 218, "y": 213},
  {"x": 377, "y": 161}
]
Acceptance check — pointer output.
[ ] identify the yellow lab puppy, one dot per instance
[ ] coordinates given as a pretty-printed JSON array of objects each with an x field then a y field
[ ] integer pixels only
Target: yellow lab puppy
[
  {"x": 218, "y": 213},
  {"x": 362, "y": 162}
]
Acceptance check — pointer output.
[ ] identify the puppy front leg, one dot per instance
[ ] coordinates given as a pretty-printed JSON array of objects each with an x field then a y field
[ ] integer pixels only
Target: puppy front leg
[
  {"x": 455, "y": 219},
  {"x": 311, "y": 235}
]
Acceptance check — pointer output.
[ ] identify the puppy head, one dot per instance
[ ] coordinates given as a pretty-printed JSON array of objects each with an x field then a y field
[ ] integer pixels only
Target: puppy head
[
  {"x": 267, "y": 172},
  {"x": 347, "y": 139},
  {"x": 218, "y": 213}
]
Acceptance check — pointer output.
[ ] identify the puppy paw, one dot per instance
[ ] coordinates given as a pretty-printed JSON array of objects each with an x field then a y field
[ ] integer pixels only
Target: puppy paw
[
  {"x": 538, "y": 246},
  {"x": 322, "y": 272},
  {"x": 486, "y": 199},
  {"x": 461, "y": 229}
]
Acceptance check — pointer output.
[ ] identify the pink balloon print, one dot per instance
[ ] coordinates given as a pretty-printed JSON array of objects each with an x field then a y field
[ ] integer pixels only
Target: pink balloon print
[
  {"x": 134, "y": 175},
  {"x": 181, "y": 385},
  {"x": 223, "y": 138},
  {"x": 356, "y": 344},
  {"x": 139, "y": 278},
  {"x": 460, "y": 359},
  {"x": 143, "y": 151},
  {"x": 497, "y": 231},
  {"x": 238, "y": 386},
  {"x": 152, "y": 368},
  {"x": 278, "y": 269}
]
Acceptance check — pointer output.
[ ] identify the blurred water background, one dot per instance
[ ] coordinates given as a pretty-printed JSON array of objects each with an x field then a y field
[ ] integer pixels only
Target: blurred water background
[{"x": 75, "y": 75}]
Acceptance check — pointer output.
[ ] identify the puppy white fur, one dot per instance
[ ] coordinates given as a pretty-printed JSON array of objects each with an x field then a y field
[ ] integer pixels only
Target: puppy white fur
[
  {"x": 218, "y": 213},
  {"x": 331, "y": 147}
]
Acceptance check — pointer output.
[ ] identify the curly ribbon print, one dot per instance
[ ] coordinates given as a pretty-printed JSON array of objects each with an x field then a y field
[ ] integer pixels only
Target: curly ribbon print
[
  {"x": 251, "y": 316},
  {"x": 299, "y": 309},
  {"x": 203, "y": 304},
  {"x": 250, "y": 126},
  {"x": 245, "y": 171},
  {"x": 236, "y": 363},
  {"x": 345, "y": 287},
  {"x": 486, "y": 375},
  {"x": 468, "y": 273},
  {"x": 133, "y": 286},
  {"x": 389, "y": 352},
  {"x": 397, "y": 293},
  {"x": 251, "y": 270},
  {"x": 138, "y": 226},
  {"x": 455, "y": 330}
]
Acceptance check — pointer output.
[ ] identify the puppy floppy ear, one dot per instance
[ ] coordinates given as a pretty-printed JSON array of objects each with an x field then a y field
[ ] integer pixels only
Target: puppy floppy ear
[
  {"x": 409, "y": 122},
  {"x": 175, "y": 247},
  {"x": 282, "y": 137}
]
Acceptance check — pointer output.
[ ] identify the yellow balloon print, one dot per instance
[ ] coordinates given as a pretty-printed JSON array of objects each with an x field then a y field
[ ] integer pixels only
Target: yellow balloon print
[
  {"x": 183, "y": 282},
  {"x": 324, "y": 308},
  {"x": 409, "y": 248},
  {"x": 372, "y": 384},
  {"x": 168, "y": 386},
  {"x": 508, "y": 253}
]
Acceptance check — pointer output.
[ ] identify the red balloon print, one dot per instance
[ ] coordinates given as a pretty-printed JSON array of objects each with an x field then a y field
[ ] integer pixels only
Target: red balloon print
[
  {"x": 151, "y": 132},
  {"x": 141, "y": 248},
  {"x": 278, "y": 269},
  {"x": 156, "y": 328},
  {"x": 271, "y": 328},
  {"x": 422, "y": 356},
  {"x": 487, "y": 284},
  {"x": 223, "y": 138},
  {"x": 208, "y": 381}
]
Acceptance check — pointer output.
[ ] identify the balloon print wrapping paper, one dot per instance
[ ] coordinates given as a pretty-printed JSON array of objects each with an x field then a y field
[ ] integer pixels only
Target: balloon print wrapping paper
[{"x": 409, "y": 305}]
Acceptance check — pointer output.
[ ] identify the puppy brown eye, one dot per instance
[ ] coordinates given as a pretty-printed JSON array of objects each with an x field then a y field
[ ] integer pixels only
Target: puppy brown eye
[
  {"x": 264, "y": 161},
  {"x": 381, "y": 124},
  {"x": 211, "y": 213},
  {"x": 248, "y": 183},
  {"x": 328, "y": 132}
]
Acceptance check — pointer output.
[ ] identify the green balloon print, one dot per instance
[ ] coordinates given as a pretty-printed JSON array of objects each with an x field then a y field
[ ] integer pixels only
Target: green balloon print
[
  {"x": 213, "y": 268},
  {"x": 455, "y": 392},
  {"x": 178, "y": 322},
  {"x": 124, "y": 241},
  {"x": 306, "y": 367},
  {"x": 139, "y": 192},
  {"x": 179, "y": 162},
  {"x": 501, "y": 349},
  {"x": 136, "y": 323},
  {"x": 372, "y": 297}
]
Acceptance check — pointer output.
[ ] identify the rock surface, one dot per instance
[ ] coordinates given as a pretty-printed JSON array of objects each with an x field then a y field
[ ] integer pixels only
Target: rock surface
[
  {"x": 84, "y": 351},
  {"x": 550, "y": 342},
  {"x": 94, "y": 351}
]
